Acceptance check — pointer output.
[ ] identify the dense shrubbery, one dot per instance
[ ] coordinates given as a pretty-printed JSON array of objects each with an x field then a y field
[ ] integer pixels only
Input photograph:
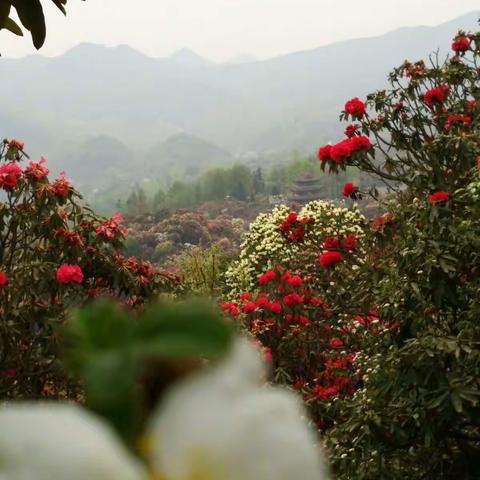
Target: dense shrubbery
[
  {"x": 54, "y": 254},
  {"x": 391, "y": 367},
  {"x": 417, "y": 414}
]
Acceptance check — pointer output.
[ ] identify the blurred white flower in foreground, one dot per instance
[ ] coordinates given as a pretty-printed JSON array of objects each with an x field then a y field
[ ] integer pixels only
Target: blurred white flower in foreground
[{"x": 219, "y": 424}]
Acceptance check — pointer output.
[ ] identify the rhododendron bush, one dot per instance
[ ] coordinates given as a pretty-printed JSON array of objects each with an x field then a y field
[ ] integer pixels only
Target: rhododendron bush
[
  {"x": 415, "y": 413},
  {"x": 291, "y": 288},
  {"x": 54, "y": 254}
]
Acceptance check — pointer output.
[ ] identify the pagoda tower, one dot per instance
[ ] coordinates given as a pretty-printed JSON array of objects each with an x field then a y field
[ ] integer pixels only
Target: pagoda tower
[{"x": 305, "y": 189}]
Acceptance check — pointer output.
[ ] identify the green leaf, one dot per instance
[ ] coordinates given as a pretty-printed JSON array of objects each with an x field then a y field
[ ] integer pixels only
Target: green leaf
[
  {"x": 31, "y": 15},
  {"x": 60, "y": 5},
  {"x": 4, "y": 12},
  {"x": 12, "y": 26},
  {"x": 182, "y": 330}
]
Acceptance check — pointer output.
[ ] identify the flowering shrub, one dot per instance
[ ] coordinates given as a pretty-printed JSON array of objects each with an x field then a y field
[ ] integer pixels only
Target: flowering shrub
[
  {"x": 54, "y": 254},
  {"x": 415, "y": 414},
  {"x": 300, "y": 309},
  {"x": 289, "y": 239}
]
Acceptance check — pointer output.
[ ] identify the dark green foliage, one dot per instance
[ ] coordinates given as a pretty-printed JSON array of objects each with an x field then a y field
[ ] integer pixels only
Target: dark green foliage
[
  {"x": 30, "y": 13},
  {"x": 126, "y": 360}
]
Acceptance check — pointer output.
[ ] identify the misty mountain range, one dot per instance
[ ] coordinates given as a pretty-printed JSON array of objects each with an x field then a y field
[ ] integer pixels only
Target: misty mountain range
[{"x": 98, "y": 110}]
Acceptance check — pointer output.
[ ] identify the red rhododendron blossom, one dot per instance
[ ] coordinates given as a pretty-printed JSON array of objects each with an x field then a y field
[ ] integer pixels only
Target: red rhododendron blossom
[
  {"x": 359, "y": 142},
  {"x": 341, "y": 150},
  {"x": 61, "y": 187},
  {"x": 231, "y": 308},
  {"x": 110, "y": 227},
  {"x": 69, "y": 274},
  {"x": 439, "y": 197},
  {"x": 295, "y": 281},
  {"x": 350, "y": 130},
  {"x": 327, "y": 259},
  {"x": 249, "y": 307},
  {"x": 349, "y": 189},
  {"x": 355, "y": 107},
  {"x": 293, "y": 299},
  {"x": 36, "y": 170},
  {"x": 324, "y": 153},
  {"x": 436, "y": 95},
  {"x": 266, "y": 277},
  {"x": 9, "y": 175},
  {"x": 460, "y": 118},
  {"x": 336, "y": 342},
  {"x": 274, "y": 307},
  {"x": 331, "y": 243},
  {"x": 350, "y": 241},
  {"x": 267, "y": 354},
  {"x": 3, "y": 279},
  {"x": 245, "y": 296},
  {"x": 262, "y": 301},
  {"x": 460, "y": 44},
  {"x": 382, "y": 220}
]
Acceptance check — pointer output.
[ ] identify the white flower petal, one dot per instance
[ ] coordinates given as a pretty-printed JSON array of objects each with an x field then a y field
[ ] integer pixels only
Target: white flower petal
[
  {"x": 220, "y": 425},
  {"x": 49, "y": 441}
]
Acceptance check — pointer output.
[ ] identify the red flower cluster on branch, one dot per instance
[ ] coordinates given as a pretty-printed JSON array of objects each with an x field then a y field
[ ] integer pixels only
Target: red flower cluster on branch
[{"x": 355, "y": 107}]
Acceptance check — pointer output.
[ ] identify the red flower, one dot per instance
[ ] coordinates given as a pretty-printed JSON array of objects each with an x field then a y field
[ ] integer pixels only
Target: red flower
[
  {"x": 61, "y": 187},
  {"x": 267, "y": 354},
  {"x": 460, "y": 44},
  {"x": 349, "y": 189},
  {"x": 439, "y": 197},
  {"x": 295, "y": 281},
  {"x": 36, "y": 170},
  {"x": 359, "y": 142},
  {"x": 69, "y": 274},
  {"x": 245, "y": 296},
  {"x": 336, "y": 342},
  {"x": 451, "y": 119},
  {"x": 341, "y": 150},
  {"x": 328, "y": 259},
  {"x": 382, "y": 220},
  {"x": 274, "y": 306},
  {"x": 292, "y": 299},
  {"x": 436, "y": 95},
  {"x": 249, "y": 307},
  {"x": 3, "y": 279},
  {"x": 9, "y": 175},
  {"x": 266, "y": 277},
  {"x": 350, "y": 130},
  {"x": 324, "y": 153},
  {"x": 262, "y": 301},
  {"x": 355, "y": 107},
  {"x": 350, "y": 241},
  {"x": 330, "y": 243}
]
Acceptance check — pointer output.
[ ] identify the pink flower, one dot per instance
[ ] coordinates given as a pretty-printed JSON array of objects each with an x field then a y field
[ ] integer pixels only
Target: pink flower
[
  {"x": 69, "y": 274},
  {"x": 36, "y": 170}
]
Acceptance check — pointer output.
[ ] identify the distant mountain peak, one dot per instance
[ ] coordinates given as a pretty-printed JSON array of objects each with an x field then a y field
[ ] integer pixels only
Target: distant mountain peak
[{"x": 189, "y": 58}]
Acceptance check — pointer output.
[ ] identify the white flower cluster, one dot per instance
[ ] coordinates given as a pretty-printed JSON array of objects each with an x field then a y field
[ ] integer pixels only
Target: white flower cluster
[{"x": 265, "y": 246}]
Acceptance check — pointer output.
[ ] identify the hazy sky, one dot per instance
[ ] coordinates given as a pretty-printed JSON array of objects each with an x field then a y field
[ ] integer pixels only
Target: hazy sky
[{"x": 221, "y": 29}]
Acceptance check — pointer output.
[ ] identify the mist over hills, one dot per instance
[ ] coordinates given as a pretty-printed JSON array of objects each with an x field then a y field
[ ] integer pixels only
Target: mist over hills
[{"x": 116, "y": 110}]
